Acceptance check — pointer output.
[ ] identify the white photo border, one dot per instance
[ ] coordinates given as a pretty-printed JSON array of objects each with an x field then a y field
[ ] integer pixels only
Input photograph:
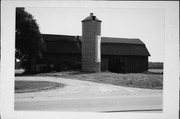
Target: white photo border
[{"x": 171, "y": 60}]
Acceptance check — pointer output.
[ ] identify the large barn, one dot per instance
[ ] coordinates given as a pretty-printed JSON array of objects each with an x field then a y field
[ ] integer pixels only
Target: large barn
[
  {"x": 93, "y": 53},
  {"x": 117, "y": 54}
]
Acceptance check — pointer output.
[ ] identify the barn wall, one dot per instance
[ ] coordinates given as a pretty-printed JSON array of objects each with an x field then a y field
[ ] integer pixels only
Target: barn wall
[
  {"x": 136, "y": 64},
  {"x": 104, "y": 64},
  {"x": 119, "y": 64},
  {"x": 64, "y": 61},
  {"x": 125, "y": 64}
]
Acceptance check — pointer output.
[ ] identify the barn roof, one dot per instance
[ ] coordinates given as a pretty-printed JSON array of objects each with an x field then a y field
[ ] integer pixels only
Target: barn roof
[
  {"x": 60, "y": 38},
  {"x": 109, "y": 46},
  {"x": 62, "y": 44},
  {"x": 121, "y": 40},
  {"x": 124, "y": 49}
]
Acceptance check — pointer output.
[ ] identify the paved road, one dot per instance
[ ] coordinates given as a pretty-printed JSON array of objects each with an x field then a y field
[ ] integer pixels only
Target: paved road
[
  {"x": 88, "y": 96},
  {"x": 95, "y": 104}
]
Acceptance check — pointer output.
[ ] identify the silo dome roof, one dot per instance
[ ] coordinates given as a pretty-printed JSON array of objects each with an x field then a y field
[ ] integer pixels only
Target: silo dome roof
[{"x": 91, "y": 18}]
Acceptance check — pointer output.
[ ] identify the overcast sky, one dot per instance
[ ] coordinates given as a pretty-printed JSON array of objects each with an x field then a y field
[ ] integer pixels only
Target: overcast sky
[{"x": 146, "y": 24}]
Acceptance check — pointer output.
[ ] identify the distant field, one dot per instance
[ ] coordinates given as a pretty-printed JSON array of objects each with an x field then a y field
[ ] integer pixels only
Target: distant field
[{"x": 155, "y": 65}]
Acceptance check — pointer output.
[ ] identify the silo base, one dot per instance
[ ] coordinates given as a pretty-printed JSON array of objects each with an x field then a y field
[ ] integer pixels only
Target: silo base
[{"x": 93, "y": 68}]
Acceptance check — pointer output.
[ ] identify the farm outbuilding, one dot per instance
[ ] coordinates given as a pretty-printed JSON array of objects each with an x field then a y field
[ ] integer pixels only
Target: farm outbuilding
[
  {"x": 93, "y": 53},
  {"x": 117, "y": 54}
]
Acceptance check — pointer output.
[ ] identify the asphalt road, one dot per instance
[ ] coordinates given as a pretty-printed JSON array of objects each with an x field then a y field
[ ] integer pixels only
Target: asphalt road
[{"x": 95, "y": 104}]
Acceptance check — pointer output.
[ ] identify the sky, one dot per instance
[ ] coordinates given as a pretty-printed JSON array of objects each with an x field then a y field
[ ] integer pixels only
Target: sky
[{"x": 145, "y": 24}]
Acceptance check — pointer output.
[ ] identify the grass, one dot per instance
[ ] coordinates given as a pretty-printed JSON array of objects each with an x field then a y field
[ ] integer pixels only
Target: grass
[
  {"x": 33, "y": 86},
  {"x": 137, "y": 80}
]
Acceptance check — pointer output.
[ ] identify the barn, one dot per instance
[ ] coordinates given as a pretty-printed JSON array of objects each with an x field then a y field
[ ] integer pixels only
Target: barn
[
  {"x": 93, "y": 53},
  {"x": 121, "y": 55}
]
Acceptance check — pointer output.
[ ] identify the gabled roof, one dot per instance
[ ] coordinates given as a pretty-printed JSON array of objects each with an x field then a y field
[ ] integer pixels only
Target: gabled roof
[
  {"x": 109, "y": 46},
  {"x": 124, "y": 49}
]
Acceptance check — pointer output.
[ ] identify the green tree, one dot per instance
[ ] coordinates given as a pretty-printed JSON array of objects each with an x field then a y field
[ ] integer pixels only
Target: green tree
[{"x": 29, "y": 42}]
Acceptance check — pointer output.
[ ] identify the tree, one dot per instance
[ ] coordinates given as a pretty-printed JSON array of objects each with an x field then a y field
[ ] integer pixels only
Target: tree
[{"x": 29, "y": 42}]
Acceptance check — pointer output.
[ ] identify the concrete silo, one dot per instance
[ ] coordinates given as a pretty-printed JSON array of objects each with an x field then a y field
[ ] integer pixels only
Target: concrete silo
[{"x": 91, "y": 44}]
